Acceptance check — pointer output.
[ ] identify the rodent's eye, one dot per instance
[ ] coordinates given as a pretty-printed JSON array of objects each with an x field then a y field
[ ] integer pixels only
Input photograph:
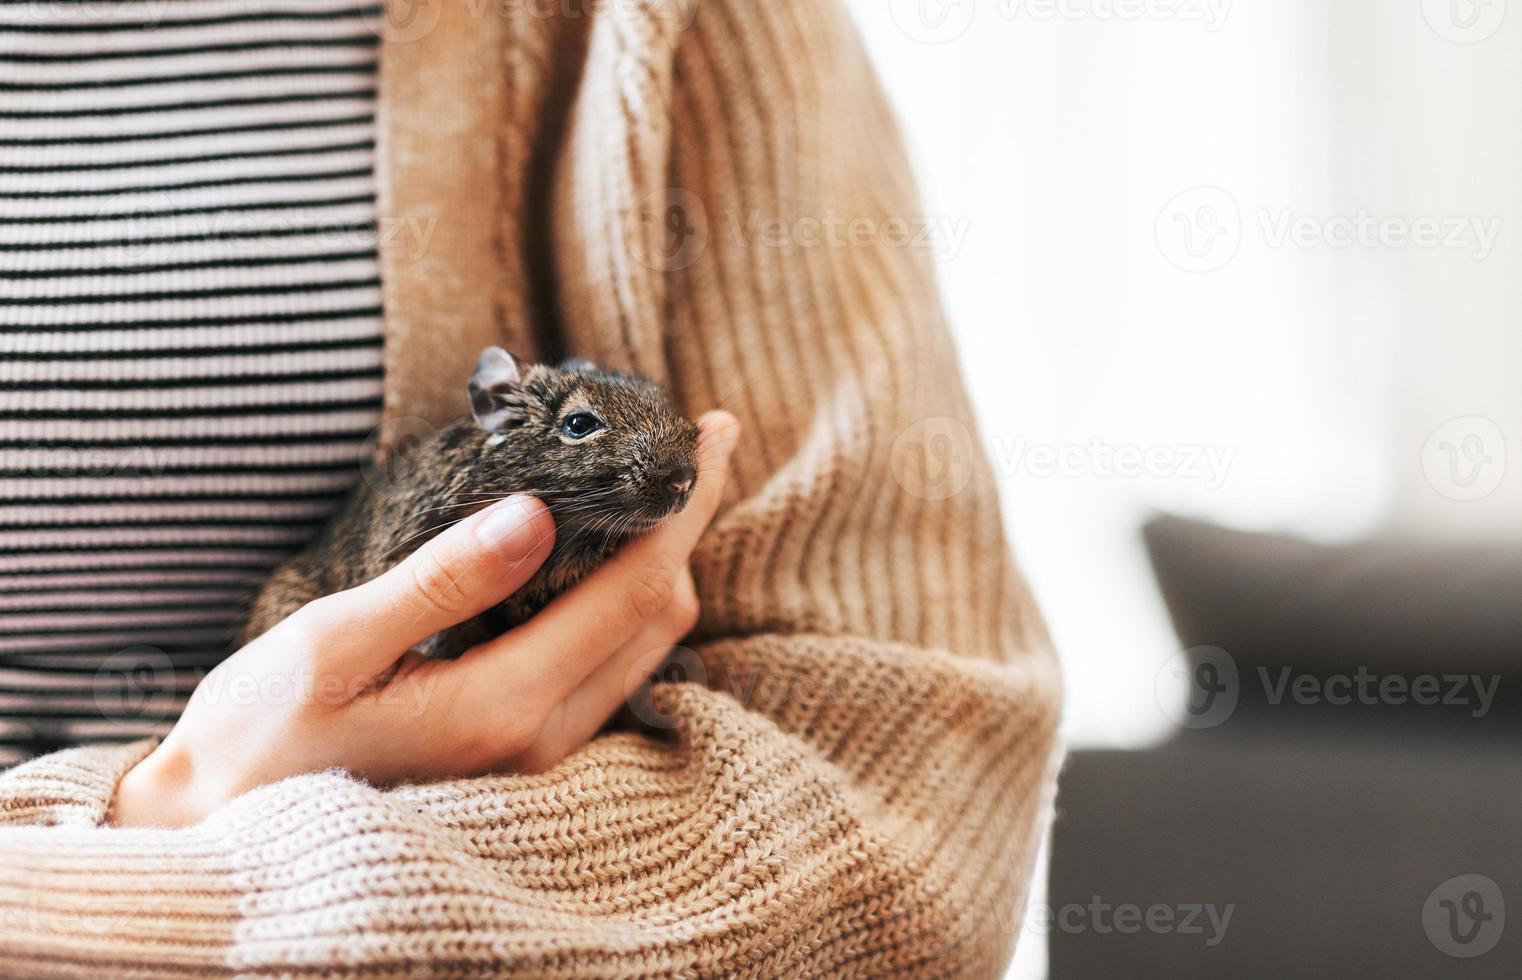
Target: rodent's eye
[{"x": 579, "y": 425}]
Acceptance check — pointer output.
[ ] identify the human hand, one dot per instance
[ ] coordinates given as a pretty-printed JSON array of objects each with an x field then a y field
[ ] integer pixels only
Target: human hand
[{"x": 338, "y": 685}]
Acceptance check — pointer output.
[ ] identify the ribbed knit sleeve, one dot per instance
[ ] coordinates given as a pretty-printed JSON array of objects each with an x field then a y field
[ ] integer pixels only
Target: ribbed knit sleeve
[
  {"x": 853, "y": 779},
  {"x": 880, "y": 694}
]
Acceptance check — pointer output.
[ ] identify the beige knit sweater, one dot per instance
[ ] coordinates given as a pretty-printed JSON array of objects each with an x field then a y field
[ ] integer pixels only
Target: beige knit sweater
[{"x": 857, "y": 784}]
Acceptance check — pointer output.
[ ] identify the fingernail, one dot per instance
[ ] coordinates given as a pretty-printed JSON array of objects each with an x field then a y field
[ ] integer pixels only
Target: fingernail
[{"x": 503, "y": 527}]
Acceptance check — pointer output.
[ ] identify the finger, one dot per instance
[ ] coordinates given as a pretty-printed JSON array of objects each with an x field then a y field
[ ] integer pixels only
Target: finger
[
  {"x": 583, "y": 713},
  {"x": 460, "y": 574},
  {"x": 582, "y": 628}
]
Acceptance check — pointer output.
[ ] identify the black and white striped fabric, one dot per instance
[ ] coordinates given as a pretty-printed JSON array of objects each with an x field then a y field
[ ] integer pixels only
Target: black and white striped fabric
[{"x": 190, "y": 334}]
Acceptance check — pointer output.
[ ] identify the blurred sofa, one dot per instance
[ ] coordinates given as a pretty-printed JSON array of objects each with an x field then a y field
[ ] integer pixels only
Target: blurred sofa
[{"x": 1336, "y": 801}]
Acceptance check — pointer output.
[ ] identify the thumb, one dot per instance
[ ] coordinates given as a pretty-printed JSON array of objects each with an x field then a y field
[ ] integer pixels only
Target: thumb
[{"x": 461, "y": 573}]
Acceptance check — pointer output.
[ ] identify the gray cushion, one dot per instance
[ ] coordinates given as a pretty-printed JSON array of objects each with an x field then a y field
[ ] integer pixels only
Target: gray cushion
[{"x": 1390, "y": 607}]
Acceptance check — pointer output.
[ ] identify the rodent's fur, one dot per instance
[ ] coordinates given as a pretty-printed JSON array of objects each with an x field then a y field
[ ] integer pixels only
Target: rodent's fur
[{"x": 623, "y": 479}]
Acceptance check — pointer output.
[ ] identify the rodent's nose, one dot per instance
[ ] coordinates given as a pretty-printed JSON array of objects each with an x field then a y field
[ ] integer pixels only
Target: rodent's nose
[{"x": 680, "y": 480}]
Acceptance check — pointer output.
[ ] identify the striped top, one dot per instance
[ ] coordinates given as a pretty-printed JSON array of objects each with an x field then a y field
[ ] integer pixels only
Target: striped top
[{"x": 190, "y": 334}]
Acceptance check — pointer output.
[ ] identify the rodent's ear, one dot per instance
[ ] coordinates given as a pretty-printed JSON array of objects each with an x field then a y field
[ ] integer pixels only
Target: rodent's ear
[
  {"x": 578, "y": 365},
  {"x": 494, "y": 388}
]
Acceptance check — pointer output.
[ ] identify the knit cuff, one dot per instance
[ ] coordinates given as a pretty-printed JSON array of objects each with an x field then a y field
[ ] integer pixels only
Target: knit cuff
[{"x": 72, "y": 788}]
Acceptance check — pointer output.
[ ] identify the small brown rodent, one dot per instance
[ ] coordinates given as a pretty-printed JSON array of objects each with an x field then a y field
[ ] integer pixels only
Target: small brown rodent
[{"x": 606, "y": 453}]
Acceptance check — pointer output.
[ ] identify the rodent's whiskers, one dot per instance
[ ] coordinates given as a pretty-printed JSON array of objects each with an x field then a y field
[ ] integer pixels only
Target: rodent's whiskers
[
  {"x": 591, "y": 504},
  {"x": 459, "y": 498},
  {"x": 431, "y": 529},
  {"x": 449, "y": 506},
  {"x": 612, "y": 522}
]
